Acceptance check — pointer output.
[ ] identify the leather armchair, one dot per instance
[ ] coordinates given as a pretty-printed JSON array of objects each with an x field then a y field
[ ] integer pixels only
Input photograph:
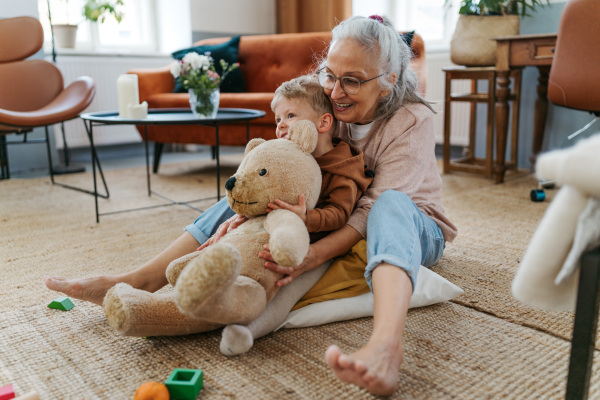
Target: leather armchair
[
  {"x": 32, "y": 92},
  {"x": 574, "y": 80}
]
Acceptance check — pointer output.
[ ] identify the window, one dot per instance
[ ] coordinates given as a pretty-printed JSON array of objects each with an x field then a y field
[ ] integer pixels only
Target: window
[
  {"x": 135, "y": 33},
  {"x": 434, "y": 20}
]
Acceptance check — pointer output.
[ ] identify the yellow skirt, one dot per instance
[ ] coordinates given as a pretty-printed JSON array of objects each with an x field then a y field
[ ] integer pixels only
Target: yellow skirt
[{"x": 344, "y": 278}]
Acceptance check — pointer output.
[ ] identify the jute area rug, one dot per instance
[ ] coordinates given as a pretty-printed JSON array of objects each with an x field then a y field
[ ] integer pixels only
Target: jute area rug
[{"x": 482, "y": 345}]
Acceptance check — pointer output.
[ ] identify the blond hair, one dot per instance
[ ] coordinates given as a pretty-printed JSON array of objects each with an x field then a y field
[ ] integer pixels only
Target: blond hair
[{"x": 306, "y": 87}]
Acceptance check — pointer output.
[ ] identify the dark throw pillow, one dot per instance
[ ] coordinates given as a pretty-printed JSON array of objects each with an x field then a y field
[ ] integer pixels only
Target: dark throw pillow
[
  {"x": 407, "y": 37},
  {"x": 228, "y": 51}
]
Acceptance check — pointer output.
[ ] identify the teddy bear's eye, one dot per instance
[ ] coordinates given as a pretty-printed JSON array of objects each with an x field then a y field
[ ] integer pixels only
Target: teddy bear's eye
[{"x": 262, "y": 172}]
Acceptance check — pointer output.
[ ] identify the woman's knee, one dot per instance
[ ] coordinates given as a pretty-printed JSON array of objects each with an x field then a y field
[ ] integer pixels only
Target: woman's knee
[{"x": 391, "y": 207}]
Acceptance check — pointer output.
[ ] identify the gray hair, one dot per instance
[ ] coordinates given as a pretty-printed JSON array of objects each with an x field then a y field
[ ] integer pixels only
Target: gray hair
[{"x": 382, "y": 40}]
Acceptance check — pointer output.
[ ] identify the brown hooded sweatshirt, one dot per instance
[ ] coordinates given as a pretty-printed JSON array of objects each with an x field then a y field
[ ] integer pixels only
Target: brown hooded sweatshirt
[{"x": 344, "y": 182}]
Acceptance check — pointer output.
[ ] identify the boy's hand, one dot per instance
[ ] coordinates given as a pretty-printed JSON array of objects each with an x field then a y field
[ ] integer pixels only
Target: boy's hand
[
  {"x": 225, "y": 227},
  {"x": 290, "y": 273},
  {"x": 299, "y": 210}
]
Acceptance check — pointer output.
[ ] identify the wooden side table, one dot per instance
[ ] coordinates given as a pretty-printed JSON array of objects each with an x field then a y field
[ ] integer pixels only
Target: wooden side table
[
  {"x": 514, "y": 52},
  {"x": 469, "y": 162}
]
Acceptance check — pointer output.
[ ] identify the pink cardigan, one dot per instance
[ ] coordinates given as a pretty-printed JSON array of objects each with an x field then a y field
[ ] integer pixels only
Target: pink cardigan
[{"x": 401, "y": 152}]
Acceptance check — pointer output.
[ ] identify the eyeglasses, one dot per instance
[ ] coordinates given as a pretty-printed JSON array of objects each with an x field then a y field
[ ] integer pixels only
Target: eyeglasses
[{"x": 349, "y": 84}]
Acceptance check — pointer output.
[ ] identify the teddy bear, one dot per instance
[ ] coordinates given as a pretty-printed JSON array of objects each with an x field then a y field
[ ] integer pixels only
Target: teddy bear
[
  {"x": 227, "y": 282},
  {"x": 548, "y": 274}
]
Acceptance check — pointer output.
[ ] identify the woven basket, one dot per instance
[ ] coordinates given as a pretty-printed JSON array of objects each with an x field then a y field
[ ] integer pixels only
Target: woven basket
[{"x": 472, "y": 43}]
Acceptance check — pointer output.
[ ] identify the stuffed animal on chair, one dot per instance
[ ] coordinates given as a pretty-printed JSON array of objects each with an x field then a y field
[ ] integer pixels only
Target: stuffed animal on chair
[
  {"x": 226, "y": 282},
  {"x": 548, "y": 274}
]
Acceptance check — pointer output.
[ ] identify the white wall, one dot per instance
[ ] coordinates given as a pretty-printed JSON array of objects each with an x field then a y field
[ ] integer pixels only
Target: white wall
[
  {"x": 12, "y": 8},
  {"x": 233, "y": 16},
  {"x": 174, "y": 24}
]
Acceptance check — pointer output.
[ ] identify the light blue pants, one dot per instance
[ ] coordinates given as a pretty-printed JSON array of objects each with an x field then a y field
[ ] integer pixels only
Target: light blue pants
[
  {"x": 206, "y": 224},
  {"x": 400, "y": 234}
]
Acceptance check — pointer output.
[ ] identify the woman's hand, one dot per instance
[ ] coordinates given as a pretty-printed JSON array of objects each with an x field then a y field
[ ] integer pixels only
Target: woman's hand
[
  {"x": 225, "y": 227},
  {"x": 309, "y": 263}
]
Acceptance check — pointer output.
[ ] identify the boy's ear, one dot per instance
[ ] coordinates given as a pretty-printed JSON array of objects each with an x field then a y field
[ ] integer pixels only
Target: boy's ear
[{"x": 325, "y": 122}]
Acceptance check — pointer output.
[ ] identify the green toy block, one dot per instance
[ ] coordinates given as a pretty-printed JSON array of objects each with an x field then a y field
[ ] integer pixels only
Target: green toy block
[
  {"x": 62, "y": 303},
  {"x": 185, "y": 384}
]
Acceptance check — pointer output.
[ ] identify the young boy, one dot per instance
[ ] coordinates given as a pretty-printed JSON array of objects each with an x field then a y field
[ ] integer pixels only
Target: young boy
[{"x": 342, "y": 165}]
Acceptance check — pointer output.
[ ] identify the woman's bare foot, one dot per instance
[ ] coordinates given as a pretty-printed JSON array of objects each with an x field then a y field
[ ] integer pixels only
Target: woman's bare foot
[
  {"x": 88, "y": 289},
  {"x": 374, "y": 367}
]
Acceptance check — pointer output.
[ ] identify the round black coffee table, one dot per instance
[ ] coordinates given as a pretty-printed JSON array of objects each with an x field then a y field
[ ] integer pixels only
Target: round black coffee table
[{"x": 170, "y": 116}]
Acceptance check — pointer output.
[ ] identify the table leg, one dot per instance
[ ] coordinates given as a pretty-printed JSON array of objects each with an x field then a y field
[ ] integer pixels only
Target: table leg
[
  {"x": 147, "y": 159},
  {"x": 218, "y": 164},
  {"x": 541, "y": 111},
  {"x": 91, "y": 136},
  {"x": 502, "y": 94}
]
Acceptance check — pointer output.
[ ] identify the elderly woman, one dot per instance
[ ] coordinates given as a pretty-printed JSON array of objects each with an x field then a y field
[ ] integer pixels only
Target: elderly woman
[{"x": 374, "y": 97}]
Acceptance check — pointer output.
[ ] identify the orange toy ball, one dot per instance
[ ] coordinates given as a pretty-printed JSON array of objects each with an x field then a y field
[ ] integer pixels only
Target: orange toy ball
[{"x": 151, "y": 391}]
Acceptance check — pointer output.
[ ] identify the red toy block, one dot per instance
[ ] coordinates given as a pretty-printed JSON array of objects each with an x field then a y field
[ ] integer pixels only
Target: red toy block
[{"x": 7, "y": 392}]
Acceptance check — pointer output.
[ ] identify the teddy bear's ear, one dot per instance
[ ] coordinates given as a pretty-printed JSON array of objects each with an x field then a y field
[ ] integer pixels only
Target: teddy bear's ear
[
  {"x": 252, "y": 144},
  {"x": 304, "y": 134}
]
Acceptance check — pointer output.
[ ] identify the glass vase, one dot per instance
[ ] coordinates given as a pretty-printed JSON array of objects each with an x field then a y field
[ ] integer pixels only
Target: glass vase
[{"x": 204, "y": 102}]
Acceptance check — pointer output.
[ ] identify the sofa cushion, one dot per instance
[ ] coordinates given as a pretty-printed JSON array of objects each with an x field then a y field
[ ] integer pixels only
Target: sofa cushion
[
  {"x": 407, "y": 37},
  {"x": 228, "y": 51}
]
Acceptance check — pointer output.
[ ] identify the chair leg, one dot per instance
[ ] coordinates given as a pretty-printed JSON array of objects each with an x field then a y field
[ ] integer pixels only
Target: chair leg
[
  {"x": 158, "y": 149},
  {"x": 49, "y": 154},
  {"x": 584, "y": 327},
  {"x": 4, "y": 170}
]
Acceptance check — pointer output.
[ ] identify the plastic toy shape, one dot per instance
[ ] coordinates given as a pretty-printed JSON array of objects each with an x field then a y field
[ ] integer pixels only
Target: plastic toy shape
[
  {"x": 62, "y": 303},
  {"x": 185, "y": 384},
  {"x": 7, "y": 392}
]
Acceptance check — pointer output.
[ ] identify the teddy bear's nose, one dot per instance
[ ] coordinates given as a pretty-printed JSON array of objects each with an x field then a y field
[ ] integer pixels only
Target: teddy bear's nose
[{"x": 230, "y": 183}]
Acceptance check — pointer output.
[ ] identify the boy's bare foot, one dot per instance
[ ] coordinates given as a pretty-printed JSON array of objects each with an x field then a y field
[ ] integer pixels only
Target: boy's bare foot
[
  {"x": 374, "y": 367},
  {"x": 88, "y": 289}
]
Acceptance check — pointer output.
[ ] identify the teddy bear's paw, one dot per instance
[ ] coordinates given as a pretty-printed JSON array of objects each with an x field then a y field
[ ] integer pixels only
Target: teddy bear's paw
[
  {"x": 115, "y": 310},
  {"x": 288, "y": 256},
  {"x": 215, "y": 269},
  {"x": 235, "y": 340},
  {"x": 176, "y": 266}
]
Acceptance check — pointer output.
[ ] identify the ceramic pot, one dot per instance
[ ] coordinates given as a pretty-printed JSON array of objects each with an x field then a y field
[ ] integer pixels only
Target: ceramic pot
[
  {"x": 65, "y": 35},
  {"x": 472, "y": 43}
]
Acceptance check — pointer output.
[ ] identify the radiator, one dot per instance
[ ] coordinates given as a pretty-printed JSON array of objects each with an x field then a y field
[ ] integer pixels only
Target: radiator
[
  {"x": 436, "y": 81},
  {"x": 104, "y": 70}
]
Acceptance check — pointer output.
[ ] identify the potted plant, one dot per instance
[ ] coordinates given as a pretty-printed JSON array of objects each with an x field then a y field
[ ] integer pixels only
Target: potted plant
[
  {"x": 94, "y": 11},
  {"x": 481, "y": 20}
]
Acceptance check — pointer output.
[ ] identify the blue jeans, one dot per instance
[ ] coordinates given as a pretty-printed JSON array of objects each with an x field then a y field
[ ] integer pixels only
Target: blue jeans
[
  {"x": 206, "y": 224},
  {"x": 400, "y": 234}
]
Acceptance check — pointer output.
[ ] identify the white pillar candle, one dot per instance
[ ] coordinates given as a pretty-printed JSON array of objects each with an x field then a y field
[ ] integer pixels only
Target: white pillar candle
[
  {"x": 137, "y": 111},
  {"x": 127, "y": 92}
]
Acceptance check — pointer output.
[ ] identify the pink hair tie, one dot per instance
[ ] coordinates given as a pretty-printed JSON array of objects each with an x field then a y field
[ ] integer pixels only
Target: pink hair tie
[{"x": 376, "y": 18}]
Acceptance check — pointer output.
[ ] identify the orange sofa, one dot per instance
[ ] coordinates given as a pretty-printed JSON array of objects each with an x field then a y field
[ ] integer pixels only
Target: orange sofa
[{"x": 266, "y": 61}]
